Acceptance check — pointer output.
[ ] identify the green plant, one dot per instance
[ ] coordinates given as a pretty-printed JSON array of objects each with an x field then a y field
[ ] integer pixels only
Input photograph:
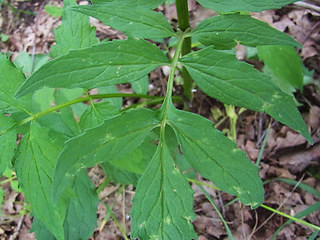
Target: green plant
[{"x": 137, "y": 146}]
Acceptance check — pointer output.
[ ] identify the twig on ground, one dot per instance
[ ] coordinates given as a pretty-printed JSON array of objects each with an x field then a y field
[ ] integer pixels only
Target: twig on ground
[
  {"x": 280, "y": 206},
  {"x": 17, "y": 229},
  {"x": 307, "y": 5},
  {"x": 310, "y": 32}
]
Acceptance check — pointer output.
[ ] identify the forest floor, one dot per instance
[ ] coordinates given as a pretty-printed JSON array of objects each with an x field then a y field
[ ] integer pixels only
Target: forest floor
[{"x": 26, "y": 26}]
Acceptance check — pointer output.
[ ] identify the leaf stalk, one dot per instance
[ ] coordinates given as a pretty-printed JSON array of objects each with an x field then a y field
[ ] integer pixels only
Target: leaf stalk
[
  {"x": 75, "y": 101},
  {"x": 184, "y": 25}
]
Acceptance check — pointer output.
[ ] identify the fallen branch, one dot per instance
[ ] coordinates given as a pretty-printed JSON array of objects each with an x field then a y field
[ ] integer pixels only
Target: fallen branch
[{"x": 307, "y": 5}]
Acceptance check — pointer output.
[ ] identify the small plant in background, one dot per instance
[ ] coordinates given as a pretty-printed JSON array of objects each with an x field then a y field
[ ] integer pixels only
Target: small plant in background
[{"x": 149, "y": 148}]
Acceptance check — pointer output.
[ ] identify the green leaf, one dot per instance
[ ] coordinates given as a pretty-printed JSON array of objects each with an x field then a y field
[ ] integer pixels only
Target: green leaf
[
  {"x": 42, "y": 233},
  {"x": 7, "y": 143},
  {"x": 137, "y": 160},
  {"x": 216, "y": 157},
  {"x": 81, "y": 212},
  {"x": 10, "y": 80},
  {"x": 132, "y": 19},
  {"x": 110, "y": 140},
  {"x": 25, "y": 62},
  {"x": 4, "y": 37},
  {"x": 222, "y": 76},
  {"x": 163, "y": 202},
  {"x": 81, "y": 219},
  {"x": 244, "y": 5},
  {"x": 226, "y": 30},
  {"x": 145, "y": 3},
  {"x": 66, "y": 115},
  {"x": 285, "y": 64},
  {"x": 141, "y": 86},
  {"x": 119, "y": 175},
  {"x": 178, "y": 156},
  {"x": 105, "y": 64},
  {"x": 129, "y": 168},
  {"x": 53, "y": 10},
  {"x": 117, "y": 102},
  {"x": 75, "y": 32},
  {"x": 62, "y": 122},
  {"x": 96, "y": 114},
  {"x": 71, "y": 94},
  {"x": 42, "y": 99},
  {"x": 35, "y": 163},
  {"x": 1, "y": 199}
]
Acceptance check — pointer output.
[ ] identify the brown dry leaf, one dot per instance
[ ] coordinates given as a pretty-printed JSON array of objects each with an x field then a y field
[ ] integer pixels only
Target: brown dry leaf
[
  {"x": 205, "y": 225},
  {"x": 274, "y": 171},
  {"x": 8, "y": 206},
  {"x": 242, "y": 232},
  {"x": 251, "y": 150},
  {"x": 297, "y": 162},
  {"x": 313, "y": 119},
  {"x": 285, "y": 139}
]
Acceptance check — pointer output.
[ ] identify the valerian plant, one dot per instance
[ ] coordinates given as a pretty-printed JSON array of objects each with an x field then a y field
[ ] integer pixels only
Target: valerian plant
[{"x": 144, "y": 147}]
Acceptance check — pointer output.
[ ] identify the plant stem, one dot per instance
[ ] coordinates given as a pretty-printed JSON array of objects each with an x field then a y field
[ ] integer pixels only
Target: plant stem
[
  {"x": 174, "y": 64},
  {"x": 8, "y": 180},
  {"x": 184, "y": 25},
  {"x": 292, "y": 218},
  {"x": 152, "y": 102},
  {"x": 72, "y": 102},
  {"x": 203, "y": 184}
]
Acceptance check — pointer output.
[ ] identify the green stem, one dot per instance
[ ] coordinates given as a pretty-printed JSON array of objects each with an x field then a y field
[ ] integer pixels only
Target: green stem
[
  {"x": 151, "y": 102},
  {"x": 233, "y": 117},
  {"x": 72, "y": 102},
  {"x": 87, "y": 98},
  {"x": 184, "y": 25},
  {"x": 8, "y": 180},
  {"x": 116, "y": 221},
  {"x": 86, "y": 91},
  {"x": 203, "y": 184},
  {"x": 292, "y": 218},
  {"x": 174, "y": 65},
  {"x": 262, "y": 205},
  {"x": 263, "y": 146}
]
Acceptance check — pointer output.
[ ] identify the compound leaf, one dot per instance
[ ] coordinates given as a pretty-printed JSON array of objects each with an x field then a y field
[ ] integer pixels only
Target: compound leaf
[
  {"x": 222, "y": 76},
  {"x": 216, "y": 157},
  {"x": 75, "y": 32},
  {"x": 10, "y": 80},
  {"x": 104, "y": 64},
  {"x": 163, "y": 202},
  {"x": 244, "y": 5},
  {"x": 226, "y": 30},
  {"x": 35, "y": 162},
  {"x": 285, "y": 64},
  {"x": 111, "y": 140},
  {"x": 132, "y": 19},
  {"x": 7, "y": 143}
]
